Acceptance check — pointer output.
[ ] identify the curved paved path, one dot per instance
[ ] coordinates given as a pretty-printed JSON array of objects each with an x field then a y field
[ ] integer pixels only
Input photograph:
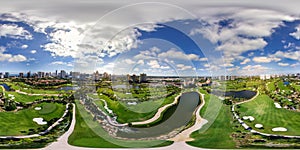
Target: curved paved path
[
  {"x": 185, "y": 135},
  {"x": 252, "y": 130},
  {"x": 158, "y": 113},
  {"x": 44, "y": 132},
  {"x": 62, "y": 142}
]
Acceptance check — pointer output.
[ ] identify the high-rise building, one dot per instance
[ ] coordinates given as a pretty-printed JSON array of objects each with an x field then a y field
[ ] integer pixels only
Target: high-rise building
[
  {"x": 106, "y": 76},
  {"x": 28, "y": 74},
  {"x": 143, "y": 77},
  {"x": 1, "y": 75},
  {"x": 63, "y": 74},
  {"x": 21, "y": 75},
  {"x": 6, "y": 75}
]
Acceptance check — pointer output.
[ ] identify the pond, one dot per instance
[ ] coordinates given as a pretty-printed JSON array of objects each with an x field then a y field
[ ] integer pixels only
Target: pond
[
  {"x": 67, "y": 88},
  {"x": 247, "y": 94},
  {"x": 6, "y": 87},
  {"x": 187, "y": 104}
]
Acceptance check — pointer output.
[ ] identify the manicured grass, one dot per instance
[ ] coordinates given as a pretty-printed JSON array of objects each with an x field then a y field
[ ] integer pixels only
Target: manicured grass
[
  {"x": 133, "y": 113},
  {"x": 218, "y": 135},
  {"x": 22, "y": 97},
  {"x": 264, "y": 111},
  {"x": 281, "y": 86},
  {"x": 89, "y": 133},
  {"x": 297, "y": 87},
  {"x": 13, "y": 122},
  {"x": 47, "y": 108},
  {"x": 28, "y": 89},
  {"x": 271, "y": 86}
]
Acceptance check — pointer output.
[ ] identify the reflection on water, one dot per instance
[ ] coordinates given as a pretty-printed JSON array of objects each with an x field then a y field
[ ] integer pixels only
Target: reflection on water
[{"x": 188, "y": 102}]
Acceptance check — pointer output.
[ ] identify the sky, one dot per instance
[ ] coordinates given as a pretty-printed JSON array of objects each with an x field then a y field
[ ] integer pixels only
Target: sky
[{"x": 167, "y": 37}]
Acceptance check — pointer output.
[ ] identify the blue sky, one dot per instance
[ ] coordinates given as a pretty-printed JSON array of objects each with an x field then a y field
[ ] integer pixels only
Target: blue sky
[{"x": 235, "y": 41}]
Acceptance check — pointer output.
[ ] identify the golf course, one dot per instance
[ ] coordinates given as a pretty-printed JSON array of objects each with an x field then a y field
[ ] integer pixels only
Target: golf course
[
  {"x": 21, "y": 122},
  {"x": 264, "y": 111}
]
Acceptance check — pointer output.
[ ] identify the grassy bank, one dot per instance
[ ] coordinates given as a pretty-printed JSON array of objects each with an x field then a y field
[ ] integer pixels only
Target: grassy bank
[{"x": 89, "y": 133}]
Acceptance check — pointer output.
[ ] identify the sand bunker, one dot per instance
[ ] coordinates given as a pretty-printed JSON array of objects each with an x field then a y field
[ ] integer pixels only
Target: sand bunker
[
  {"x": 281, "y": 129},
  {"x": 277, "y": 105},
  {"x": 248, "y": 118},
  {"x": 39, "y": 121},
  {"x": 37, "y": 108},
  {"x": 258, "y": 126}
]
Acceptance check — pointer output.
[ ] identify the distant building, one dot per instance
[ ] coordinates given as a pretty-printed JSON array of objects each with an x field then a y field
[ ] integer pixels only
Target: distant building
[
  {"x": 28, "y": 74},
  {"x": 143, "y": 77},
  {"x": 265, "y": 77},
  {"x": 6, "y": 75},
  {"x": 134, "y": 78},
  {"x": 63, "y": 74},
  {"x": 1, "y": 75},
  {"x": 106, "y": 76},
  {"x": 21, "y": 75}
]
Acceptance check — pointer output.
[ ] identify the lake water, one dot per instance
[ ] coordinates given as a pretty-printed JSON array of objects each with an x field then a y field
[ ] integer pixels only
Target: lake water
[
  {"x": 187, "y": 104},
  {"x": 247, "y": 94},
  {"x": 6, "y": 87},
  {"x": 67, "y": 88}
]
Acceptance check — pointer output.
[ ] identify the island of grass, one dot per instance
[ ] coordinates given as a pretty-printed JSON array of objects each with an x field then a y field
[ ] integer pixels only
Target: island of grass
[
  {"x": 89, "y": 133},
  {"x": 21, "y": 122},
  {"x": 218, "y": 133},
  {"x": 262, "y": 108}
]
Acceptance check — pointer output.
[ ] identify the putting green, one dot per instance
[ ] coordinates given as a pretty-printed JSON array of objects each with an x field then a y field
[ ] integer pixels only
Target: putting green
[
  {"x": 264, "y": 111},
  {"x": 12, "y": 123}
]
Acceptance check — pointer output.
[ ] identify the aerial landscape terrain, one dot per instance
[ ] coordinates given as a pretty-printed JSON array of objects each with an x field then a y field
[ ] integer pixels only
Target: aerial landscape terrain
[{"x": 165, "y": 75}]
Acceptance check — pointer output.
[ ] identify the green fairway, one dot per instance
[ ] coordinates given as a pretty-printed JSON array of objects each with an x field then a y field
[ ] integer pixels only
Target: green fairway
[
  {"x": 264, "y": 111},
  {"x": 133, "y": 113},
  {"x": 271, "y": 86},
  {"x": 87, "y": 134},
  {"x": 297, "y": 87},
  {"x": 12, "y": 123},
  {"x": 28, "y": 89},
  {"x": 22, "y": 97},
  {"x": 218, "y": 135},
  {"x": 281, "y": 86}
]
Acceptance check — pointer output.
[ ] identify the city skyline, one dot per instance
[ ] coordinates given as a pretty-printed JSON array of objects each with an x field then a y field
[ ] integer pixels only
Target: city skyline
[{"x": 215, "y": 40}]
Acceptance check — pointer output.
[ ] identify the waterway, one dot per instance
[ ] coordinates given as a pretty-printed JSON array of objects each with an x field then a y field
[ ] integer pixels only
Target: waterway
[{"x": 187, "y": 104}]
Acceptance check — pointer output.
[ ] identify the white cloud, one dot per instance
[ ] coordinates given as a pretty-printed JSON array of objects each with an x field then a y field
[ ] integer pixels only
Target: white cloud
[
  {"x": 253, "y": 70},
  {"x": 69, "y": 64},
  {"x": 129, "y": 61},
  {"x": 294, "y": 55},
  {"x": 14, "y": 31},
  {"x": 245, "y": 61},
  {"x": 245, "y": 30},
  {"x": 33, "y": 51},
  {"x": 10, "y": 57},
  {"x": 296, "y": 34},
  {"x": 183, "y": 67},
  {"x": 283, "y": 64},
  {"x": 178, "y": 55},
  {"x": 24, "y": 46},
  {"x": 264, "y": 59},
  {"x": 153, "y": 64}
]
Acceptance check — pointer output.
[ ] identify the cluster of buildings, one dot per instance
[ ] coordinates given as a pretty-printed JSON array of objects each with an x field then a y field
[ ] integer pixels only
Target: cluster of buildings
[
  {"x": 137, "y": 79},
  {"x": 62, "y": 74}
]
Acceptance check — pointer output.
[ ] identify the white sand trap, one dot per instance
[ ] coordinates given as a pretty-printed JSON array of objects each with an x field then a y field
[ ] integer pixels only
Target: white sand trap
[
  {"x": 39, "y": 121},
  {"x": 131, "y": 103},
  {"x": 37, "y": 108},
  {"x": 258, "y": 126},
  {"x": 277, "y": 105},
  {"x": 281, "y": 129},
  {"x": 249, "y": 117}
]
